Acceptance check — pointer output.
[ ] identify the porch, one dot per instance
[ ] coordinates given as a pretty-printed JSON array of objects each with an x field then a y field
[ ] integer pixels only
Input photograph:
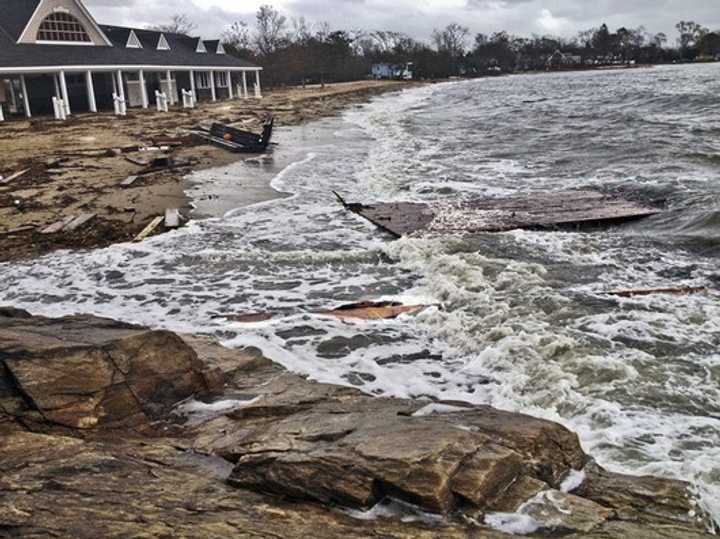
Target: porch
[{"x": 31, "y": 92}]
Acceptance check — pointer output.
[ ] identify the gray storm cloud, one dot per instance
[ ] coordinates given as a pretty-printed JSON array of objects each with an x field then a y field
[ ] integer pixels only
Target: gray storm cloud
[{"x": 418, "y": 18}]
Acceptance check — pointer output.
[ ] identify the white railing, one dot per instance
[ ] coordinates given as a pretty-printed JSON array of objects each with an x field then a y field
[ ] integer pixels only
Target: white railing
[
  {"x": 120, "y": 105},
  {"x": 188, "y": 100},
  {"x": 161, "y": 100},
  {"x": 59, "y": 109}
]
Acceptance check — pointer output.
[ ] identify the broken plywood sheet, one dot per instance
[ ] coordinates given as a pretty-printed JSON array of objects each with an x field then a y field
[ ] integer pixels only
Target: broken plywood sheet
[
  {"x": 78, "y": 222},
  {"x": 679, "y": 291},
  {"x": 537, "y": 210},
  {"x": 127, "y": 182},
  {"x": 373, "y": 311},
  {"x": 172, "y": 218},
  {"x": 58, "y": 226}
]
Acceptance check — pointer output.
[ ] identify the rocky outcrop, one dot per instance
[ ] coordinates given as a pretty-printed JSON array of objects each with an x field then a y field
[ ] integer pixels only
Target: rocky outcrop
[{"x": 110, "y": 430}]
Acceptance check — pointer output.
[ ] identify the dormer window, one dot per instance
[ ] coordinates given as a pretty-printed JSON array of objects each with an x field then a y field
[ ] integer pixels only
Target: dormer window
[
  {"x": 62, "y": 27},
  {"x": 220, "y": 49},
  {"x": 163, "y": 44},
  {"x": 133, "y": 42},
  {"x": 201, "y": 46}
]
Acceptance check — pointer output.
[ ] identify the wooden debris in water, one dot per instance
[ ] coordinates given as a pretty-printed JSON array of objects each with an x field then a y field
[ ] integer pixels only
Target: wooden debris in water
[
  {"x": 680, "y": 291},
  {"x": 172, "y": 218},
  {"x": 369, "y": 310},
  {"x": 136, "y": 161},
  {"x": 534, "y": 211},
  {"x": 14, "y": 176},
  {"x": 149, "y": 229}
]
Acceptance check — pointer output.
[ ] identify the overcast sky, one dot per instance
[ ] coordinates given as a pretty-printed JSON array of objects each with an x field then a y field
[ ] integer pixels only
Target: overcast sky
[{"x": 419, "y": 17}]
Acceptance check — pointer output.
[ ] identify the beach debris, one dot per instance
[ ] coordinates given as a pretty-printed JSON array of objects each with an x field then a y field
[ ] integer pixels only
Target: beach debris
[
  {"x": 365, "y": 310},
  {"x": 237, "y": 140},
  {"x": 137, "y": 161},
  {"x": 17, "y": 230},
  {"x": 127, "y": 182},
  {"x": 533, "y": 211},
  {"x": 679, "y": 291},
  {"x": 79, "y": 221},
  {"x": 149, "y": 229},
  {"x": 13, "y": 176},
  {"x": 69, "y": 224},
  {"x": 172, "y": 218},
  {"x": 373, "y": 310}
]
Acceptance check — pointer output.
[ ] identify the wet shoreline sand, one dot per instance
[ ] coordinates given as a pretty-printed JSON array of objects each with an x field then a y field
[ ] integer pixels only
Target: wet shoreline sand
[{"x": 76, "y": 168}]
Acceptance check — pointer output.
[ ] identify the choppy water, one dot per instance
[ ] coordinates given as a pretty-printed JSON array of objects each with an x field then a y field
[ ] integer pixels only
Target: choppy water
[{"x": 524, "y": 324}]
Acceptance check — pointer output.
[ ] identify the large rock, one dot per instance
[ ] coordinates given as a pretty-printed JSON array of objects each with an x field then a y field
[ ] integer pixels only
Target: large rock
[
  {"x": 85, "y": 372},
  {"x": 275, "y": 455}
]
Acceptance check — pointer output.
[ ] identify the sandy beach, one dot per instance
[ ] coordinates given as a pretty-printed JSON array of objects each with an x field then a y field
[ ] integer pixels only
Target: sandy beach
[{"x": 76, "y": 167}]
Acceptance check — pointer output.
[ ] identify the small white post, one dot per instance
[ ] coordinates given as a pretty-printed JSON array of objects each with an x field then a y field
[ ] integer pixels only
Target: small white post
[
  {"x": 143, "y": 90},
  {"x": 229, "y": 84},
  {"x": 2, "y": 115},
  {"x": 245, "y": 85},
  {"x": 172, "y": 94},
  {"x": 63, "y": 89},
  {"x": 258, "y": 91},
  {"x": 92, "y": 104},
  {"x": 213, "y": 93},
  {"x": 192, "y": 87},
  {"x": 26, "y": 101}
]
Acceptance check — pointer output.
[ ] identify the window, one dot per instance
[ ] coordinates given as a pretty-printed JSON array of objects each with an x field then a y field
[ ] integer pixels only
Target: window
[
  {"x": 220, "y": 49},
  {"x": 62, "y": 27},
  {"x": 203, "y": 80},
  {"x": 221, "y": 78},
  {"x": 133, "y": 42},
  {"x": 201, "y": 46},
  {"x": 163, "y": 45}
]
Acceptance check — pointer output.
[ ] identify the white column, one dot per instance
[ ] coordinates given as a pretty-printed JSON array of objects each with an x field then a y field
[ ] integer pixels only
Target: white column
[
  {"x": 120, "y": 85},
  {"x": 258, "y": 91},
  {"x": 172, "y": 96},
  {"x": 57, "y": 85},
  {"x": 213, "y": 93},
  {"x": 192, "y": 85},
  {"x": 143, "y": 89},
  {"x": 230, "y": 84},
  {"x": 26, "y": 101},
  {"x": 2, "y": 115},
  {"x": 114, "y": 80},
  {"x": 92, "y": 104},
  {"x": 63, "y": 89},
  {"x": 245, "y": 86}
]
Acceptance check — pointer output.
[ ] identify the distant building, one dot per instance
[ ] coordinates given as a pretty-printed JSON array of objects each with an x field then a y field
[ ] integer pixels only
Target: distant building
[
  {"x": 389, "y": 71},
  {"x": 560, "y": 59},
  {"x": 53, "y": 50}
]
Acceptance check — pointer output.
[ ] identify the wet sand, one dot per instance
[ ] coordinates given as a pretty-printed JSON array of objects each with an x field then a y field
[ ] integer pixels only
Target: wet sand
[{"x": 76, "y": 167}]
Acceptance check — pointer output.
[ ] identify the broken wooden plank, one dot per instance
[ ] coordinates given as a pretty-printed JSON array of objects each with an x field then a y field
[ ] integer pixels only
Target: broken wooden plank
[
  {"x": 136, "y": 161},
  {"x": 172, "y": 218},
  {"x": 149, "y": 229},
  {"x": 79, "y": 222},
  {"x": 58, "y": 226},
  {"x": 534, "y": 211},
  {"x": 14, "y": 176},
  {"x": 18, "y": 230},
  {"x": 679, "y": 291},
  {"x": 127, "y": 182},
  {"x": 370, "y": 310}
]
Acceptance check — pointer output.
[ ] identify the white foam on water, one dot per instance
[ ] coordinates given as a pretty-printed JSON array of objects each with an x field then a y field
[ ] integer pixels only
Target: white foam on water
[
  {"x": 573, "y": 481},
  {"x": 512, "y": 523}
]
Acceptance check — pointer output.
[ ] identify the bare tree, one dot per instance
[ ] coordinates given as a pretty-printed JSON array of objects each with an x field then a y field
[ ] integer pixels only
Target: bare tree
[
  {"x": 452, "y": 39},
  {"x": 237, "y": 36},
  {"x": 270, "y": 26},
  {"x": 179, "y": 23}
]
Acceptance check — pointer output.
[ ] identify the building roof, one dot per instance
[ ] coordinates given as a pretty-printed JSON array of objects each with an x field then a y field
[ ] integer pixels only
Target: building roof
[
  {"x": 182, "y": 51},
  {"x": 15, "y": 15}
]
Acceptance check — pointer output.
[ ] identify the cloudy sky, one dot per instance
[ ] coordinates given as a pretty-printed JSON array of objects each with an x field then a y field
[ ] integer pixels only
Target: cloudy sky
[{"x": 419, "y": 17}]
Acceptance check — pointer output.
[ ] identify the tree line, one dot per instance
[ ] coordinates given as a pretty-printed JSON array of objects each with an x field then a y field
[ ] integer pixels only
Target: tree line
[{"x": 293, "y": 51}]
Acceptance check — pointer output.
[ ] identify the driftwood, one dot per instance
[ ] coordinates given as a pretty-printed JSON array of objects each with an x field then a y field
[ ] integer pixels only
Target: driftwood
[
  {"x": 149, "y": 229},
  {"x": 14, "y": 176},
  {"x": 681, "y": 291},
  {"x": 127, "y": 182},
  {"x": 534, "y": 211},
  {"x": 367, "y": 310}
]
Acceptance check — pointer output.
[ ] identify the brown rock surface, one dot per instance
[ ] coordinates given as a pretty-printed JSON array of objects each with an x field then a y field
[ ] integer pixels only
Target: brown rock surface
[{"x": 274, "y": 455}]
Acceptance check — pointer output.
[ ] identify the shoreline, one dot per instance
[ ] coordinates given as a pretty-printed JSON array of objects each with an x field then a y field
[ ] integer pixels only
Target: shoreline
[{"x": 76, "y": 167}]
